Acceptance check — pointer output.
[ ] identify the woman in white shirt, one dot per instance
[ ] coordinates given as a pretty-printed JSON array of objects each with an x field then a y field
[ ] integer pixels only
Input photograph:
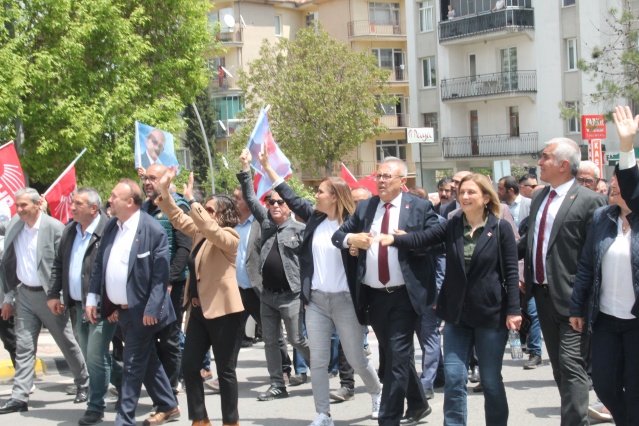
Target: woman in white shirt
[
  {"x": 604, "y": 303},
  {"x": 327, "y": 288}
]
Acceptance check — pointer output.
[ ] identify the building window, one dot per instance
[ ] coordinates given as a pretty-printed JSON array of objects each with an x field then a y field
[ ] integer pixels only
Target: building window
[
  {"x": 227, "y": 107},
  {"x": 311, "y": 19},
  {"x": 278, "y": 25},
  {"x": 426, "y": 16},
  {"x": 567, "y": 3},
  {"x": 574, "y": 123},
  {"x": 429, "y": 73},
  {"x": 571, "y": 51},
  {"x": 430, "y": 120},
  {"x": 383, "y": 13},
  {"x": 513, "y": 118},
  {"x": 392, "y": 148},
  {"x": 391, "y": 59}
]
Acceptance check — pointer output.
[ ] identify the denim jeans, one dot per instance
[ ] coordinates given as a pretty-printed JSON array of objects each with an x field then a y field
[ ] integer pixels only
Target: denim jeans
[
  {"x": 333, "y": 365},
  {"x": 490, "y": 344},
  {"x": 94, "y": 340},
  {"x": 534, "y": 334},
  {"x": 325, "y": 313},
  {"x": 615, "y": 371},
  {"x": 275, "y": 308}
]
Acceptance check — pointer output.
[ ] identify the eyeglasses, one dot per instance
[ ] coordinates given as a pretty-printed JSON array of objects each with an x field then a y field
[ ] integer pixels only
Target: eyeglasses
[
  {"x": 380, "y": 176},
  {"x": 528, "y": 185},
  {"x": 151, "y": 179},
  {"x": 585, "y": 181},
  {"x": 211, "y": 210},
  {"x": 279, "y": 202}
]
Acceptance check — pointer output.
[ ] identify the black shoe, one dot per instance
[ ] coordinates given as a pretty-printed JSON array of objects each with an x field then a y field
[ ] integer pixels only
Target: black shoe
[
  {"x": 117, "y": 404},
  {"x": 90, "y": 418},
  {"x": 247, "y": 343},
  {"x": 272, "y": 393},
  {"x": 429, "y": 393},
  {"x": 479, "y": 388},
  {"x": 533, "y": 362},
  {"x": 81, "y": 396},
  {"x": 474, "y": 377},
  {"x": 13, "y": 406},
  {"x": 298, "y": 379},
  {"x": 414, "y": 418}
]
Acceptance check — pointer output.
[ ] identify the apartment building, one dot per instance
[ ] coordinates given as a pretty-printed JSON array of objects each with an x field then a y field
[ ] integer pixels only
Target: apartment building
[
  {"x": 490, "y": 78},
  {"x": 376, "y": 27}
]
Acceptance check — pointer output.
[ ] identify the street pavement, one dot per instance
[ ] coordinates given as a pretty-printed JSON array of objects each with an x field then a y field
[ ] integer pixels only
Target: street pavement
[{"x": 532, "y": 396}]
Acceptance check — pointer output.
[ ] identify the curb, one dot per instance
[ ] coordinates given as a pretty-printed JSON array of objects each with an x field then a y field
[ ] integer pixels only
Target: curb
[{"x": 42, "y": 367}]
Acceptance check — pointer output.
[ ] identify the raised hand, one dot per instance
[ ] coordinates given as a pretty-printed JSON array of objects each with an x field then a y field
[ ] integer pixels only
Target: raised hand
[
  {"x": 188, "y": 188},
  {"x": 245, "y": 159},
  {"x": 626, "y": 127}
]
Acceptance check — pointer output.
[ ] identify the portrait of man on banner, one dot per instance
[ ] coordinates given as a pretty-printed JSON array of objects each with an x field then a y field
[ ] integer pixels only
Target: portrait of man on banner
[{"x": 153, "y": 146}]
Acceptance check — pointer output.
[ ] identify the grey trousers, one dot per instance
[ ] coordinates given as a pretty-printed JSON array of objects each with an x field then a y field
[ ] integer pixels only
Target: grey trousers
[{"x": 31, "y": 313}]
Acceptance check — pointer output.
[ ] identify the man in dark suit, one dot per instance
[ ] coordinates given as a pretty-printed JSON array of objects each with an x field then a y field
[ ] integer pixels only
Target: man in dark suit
[
  {"x": 130, "y": 279},
  {"x": 560, "y": 217},
  {"x": 446, "y": 209},
  {"x": 31, "y": 243},
  {"x": 70, "y": 277},
  {"x": 392, "y": 284},
  {"x": 444, "y": 190}
]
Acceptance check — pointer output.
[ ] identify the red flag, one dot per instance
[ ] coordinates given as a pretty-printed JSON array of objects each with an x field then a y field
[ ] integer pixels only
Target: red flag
[
  {"x": 59, "y": 195},
  {"x": 369, "y": 183},
  {"x": 11, "y": 176},
  {"x": 348, "y": 177}
]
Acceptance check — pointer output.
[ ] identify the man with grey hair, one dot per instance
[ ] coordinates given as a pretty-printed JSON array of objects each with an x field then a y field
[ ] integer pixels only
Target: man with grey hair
[
  {"x": 588, "y": 175},
  {"x": 560, "y": 217},
  {"x": 31, "y": 244},
  {"x": 71, "y": 277}
]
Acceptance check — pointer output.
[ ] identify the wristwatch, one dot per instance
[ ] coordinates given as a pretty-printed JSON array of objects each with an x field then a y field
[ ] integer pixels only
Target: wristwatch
[{"x": 191, "y": 201}]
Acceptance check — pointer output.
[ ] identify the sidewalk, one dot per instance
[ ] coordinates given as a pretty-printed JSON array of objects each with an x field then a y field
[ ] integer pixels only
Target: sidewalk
[{"x": 49, "y": 359}]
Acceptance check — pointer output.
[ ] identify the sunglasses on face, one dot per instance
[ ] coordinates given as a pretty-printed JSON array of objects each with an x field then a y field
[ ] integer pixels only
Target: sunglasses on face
[{"x": 279, "y": 202}]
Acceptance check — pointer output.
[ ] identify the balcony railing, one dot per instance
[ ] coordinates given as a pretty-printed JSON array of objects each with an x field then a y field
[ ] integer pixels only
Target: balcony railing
[
  {"x": 373, "y": 28},
  {"x": 224, "y": 83},
  {"x": 472, "y": 25},
  {"x": 234, "y": 36},
  {"x": 489, "y": 84},
  {"x": 393, "y": 121},
  {"x": 490, "y": 145},
  {"x": 397, "y": 74}
]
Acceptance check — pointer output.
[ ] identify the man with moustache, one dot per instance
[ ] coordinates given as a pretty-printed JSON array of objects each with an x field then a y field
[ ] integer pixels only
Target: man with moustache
[{"x": 444, "y": 189}]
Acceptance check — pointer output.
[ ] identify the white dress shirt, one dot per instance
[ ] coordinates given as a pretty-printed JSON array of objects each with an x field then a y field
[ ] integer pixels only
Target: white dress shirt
[
  {"x": 561, "y": 191},
  {"x": 617, "y": 292},
  {"x": 371, "y": 278},
  {"x": 26, "y": 247},
  {"x": 514, "y": 209}
]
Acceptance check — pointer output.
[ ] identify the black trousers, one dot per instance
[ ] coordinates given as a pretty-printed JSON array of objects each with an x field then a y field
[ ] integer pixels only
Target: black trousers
[
  {"x": 346, "y": 372},
  {"x": 225, "y": 335},
  {"x": 393, "y": 319},
  {"x": 8, "y": 337},
  {"x": 168, "y": 339}
]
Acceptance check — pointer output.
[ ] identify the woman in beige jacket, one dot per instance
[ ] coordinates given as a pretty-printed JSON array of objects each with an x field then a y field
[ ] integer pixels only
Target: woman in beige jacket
[{"x": 211, "y": 296}]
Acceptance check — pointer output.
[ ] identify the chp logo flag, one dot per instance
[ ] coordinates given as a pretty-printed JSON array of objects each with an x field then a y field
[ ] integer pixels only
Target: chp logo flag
[
  {"x": 348, "y": 177},
  {"x": 262, "y": 135},
  {"x": 60, "y": 193},
  {"x": 11, "y": 176}
]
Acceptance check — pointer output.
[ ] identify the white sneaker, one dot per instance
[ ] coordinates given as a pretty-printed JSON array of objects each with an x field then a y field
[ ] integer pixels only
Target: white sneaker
[
  {"x": 376, "y": 398},
  {"x": 33, "y": 388},
  {"x": 322, "y": 420}
]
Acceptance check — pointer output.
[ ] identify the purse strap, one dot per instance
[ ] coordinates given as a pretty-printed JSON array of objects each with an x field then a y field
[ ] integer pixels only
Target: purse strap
[{"x": 499, "y": 256}]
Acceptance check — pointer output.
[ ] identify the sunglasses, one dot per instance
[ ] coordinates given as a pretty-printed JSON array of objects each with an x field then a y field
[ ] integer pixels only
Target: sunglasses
[
  {"x": 211, "y": 210},
  {"x": 279, "y": 202}
]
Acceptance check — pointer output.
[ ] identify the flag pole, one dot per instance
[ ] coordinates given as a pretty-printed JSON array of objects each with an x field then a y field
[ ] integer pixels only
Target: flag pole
[
  {"x": 65, "y": 171},
  {"x": 6, "y": 144}
]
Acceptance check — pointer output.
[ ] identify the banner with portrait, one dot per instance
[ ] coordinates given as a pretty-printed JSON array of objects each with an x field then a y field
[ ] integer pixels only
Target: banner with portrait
[{"x": 153, "y": 146}]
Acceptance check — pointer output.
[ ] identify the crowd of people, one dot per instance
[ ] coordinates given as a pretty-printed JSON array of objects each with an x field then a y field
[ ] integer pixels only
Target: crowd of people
[{"x": 166, "y": 277}]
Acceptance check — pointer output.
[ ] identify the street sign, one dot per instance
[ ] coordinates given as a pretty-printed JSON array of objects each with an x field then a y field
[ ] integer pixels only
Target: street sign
[
  {"x": 595, "y": 155},
  {"x": 420, "y": 135},
  {"x": 593, "y": 127}
]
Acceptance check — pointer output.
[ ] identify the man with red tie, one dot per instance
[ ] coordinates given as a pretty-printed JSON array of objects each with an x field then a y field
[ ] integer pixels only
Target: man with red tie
[
  {"x": 395, "y": 285},
  {"x": 560, "y": 217}
]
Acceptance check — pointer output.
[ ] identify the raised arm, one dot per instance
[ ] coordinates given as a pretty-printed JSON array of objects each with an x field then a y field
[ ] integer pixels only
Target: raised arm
[{"x": 246, "y": 181}]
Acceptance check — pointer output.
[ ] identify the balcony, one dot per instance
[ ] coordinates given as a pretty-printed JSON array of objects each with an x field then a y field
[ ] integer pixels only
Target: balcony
[
  {"x": 231, "y": 37},
  {"x": 490, "y": 145},
  {"x": 385, "y": 29},
  {"x": 398, "y": 74},
  {"x": 223, "y": 83},
  {"x": 486, "y": 85},
  {"x": 394, "y": 121},
  {"x": 504, "y": 21}
]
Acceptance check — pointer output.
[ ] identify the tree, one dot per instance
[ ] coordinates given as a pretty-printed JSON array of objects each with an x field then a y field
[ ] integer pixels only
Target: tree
[
  {"x": 614, "y": 65},
  {"x": 325, "y": 98},
  {"x": 80, "y": 72},
  {"x": 193, "y": 139}
]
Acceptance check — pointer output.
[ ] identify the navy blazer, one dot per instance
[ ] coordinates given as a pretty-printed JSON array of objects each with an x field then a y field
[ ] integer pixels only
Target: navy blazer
[
  {"x": 304, "y": 209},
  {"x": 148, "y": 277},
  {"x": 415, "y": 215}
]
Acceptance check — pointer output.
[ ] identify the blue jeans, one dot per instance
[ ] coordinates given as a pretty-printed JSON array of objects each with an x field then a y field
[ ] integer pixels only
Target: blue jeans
[
  {"x": 534, "y": 334},
  {"x": 489, "y": 344},
  {"x": 333, "y": 365},
  {"x": 94, "y": 340}
]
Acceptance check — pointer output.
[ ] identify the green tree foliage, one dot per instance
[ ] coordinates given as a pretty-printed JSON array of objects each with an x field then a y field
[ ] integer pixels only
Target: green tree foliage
[
  {"x": 193, "y": 139},
  {"x": 325, "y": 98},
  {"x": 78, "y": 73},
  {"x": 614, "y": 66}
]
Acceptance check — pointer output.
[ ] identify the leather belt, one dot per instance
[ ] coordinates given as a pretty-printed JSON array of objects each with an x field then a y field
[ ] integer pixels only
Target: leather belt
[
  {"x": 34, "y": 289},
  {"x": 389, "y": 290}
]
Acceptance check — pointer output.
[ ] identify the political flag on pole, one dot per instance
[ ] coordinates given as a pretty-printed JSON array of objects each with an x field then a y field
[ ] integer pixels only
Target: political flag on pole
[
  {"x": 262, "y": 135},
  {"x": 11, "y": 176},
  {"x": 369, "y": 183},
  {"x": 348, "y": 177},
  {"x": 59, "y": 195}
]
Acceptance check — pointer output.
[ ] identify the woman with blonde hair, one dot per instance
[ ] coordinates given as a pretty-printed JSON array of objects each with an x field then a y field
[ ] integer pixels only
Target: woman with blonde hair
[
  {"x": 479, "y": 299},
  {"x": 212, "y": 296},
  {"x": 327, "y": 289}
]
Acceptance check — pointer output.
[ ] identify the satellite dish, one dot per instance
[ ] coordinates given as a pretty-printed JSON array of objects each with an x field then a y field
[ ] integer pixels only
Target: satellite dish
[{"x": 229, "y": 20}]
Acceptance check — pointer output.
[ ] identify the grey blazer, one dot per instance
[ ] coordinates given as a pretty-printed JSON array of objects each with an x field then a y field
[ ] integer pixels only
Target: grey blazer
[
  {"x": 567, "y": 238},
  {"x": 48, "y": 241}
]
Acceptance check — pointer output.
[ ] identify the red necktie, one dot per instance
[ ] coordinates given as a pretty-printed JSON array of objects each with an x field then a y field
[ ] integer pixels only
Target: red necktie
[
  {"x": 539, "y": 258},
  {"x": 382, "y": 260}
]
